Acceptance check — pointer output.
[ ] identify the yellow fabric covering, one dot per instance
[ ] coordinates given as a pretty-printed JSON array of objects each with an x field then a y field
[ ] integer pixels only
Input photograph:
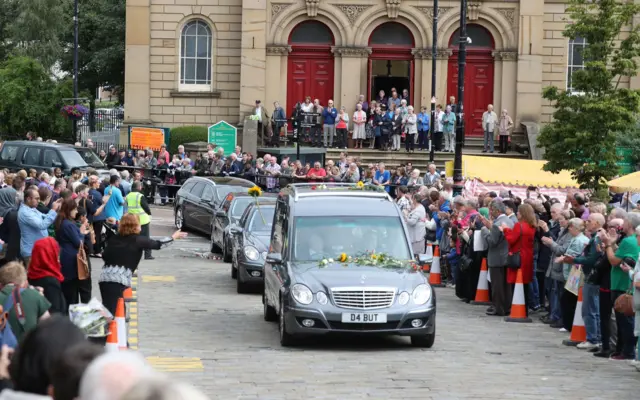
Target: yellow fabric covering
[
  {"x": 510, "y": 171},
  {"x": 627, "y": 183}
]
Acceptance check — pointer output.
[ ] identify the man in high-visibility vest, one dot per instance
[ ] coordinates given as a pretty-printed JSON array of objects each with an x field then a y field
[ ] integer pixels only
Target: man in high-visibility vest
[{"x": 137, "y": 205}]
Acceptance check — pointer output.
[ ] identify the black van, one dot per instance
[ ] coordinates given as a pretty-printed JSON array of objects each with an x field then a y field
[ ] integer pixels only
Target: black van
[{"x": 22, "y": 154}]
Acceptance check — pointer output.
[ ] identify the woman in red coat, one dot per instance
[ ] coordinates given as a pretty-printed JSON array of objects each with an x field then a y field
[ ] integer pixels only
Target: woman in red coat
[{"x": 521, "y": 238}]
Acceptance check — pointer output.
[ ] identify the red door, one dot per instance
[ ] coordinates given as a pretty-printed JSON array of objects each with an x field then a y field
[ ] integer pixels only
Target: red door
[
  {"x": 478, "y": 84},
  {"x": 309, "y": 75}
]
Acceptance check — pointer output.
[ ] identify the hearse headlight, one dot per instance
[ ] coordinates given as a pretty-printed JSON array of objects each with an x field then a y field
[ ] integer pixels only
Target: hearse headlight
[
  {"x": 302, "y": 294},
  {"x": 421, "y": 294},
  {"x": 251, "y": 253},
  {"x": 322, "y": 298},
  {"x": 403, "y": 298}
]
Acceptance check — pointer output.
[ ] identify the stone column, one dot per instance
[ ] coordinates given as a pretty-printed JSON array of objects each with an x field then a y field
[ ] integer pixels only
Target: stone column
[
  {"x": 529, "y": 64},
  {"x": 420, "y": 75},
  {"x": 137, "y": 74},
  {"x": 508, "y": 100},
  {"x": 276, "y": 76},
  {"x": 253, "y": 57},
  {"x": 425, "y": 86},
  {"x": 350, "y": 60},
  {"x": 442, "y": 56}
]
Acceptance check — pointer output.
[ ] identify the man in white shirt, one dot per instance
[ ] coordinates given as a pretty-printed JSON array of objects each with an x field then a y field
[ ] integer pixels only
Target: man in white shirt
[{"x": 489, "y": 119}]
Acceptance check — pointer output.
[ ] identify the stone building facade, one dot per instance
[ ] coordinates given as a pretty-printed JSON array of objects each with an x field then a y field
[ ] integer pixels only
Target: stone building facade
[{"x": 202, "y": 61}]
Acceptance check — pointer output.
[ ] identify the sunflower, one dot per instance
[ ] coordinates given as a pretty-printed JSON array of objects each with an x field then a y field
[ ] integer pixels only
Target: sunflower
[
  {"x": 360, "y": 185},
  {"x": 255, "y": 191},
  {"x": 374, "y": 257},
  {"x": 343, "y": 257}
]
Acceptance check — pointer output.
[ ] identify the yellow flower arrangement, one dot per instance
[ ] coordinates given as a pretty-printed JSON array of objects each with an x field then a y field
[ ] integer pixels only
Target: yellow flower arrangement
[
  {"x": 343, "y": 257},
  {"x": 255, "y": 191},
  {"x": 360, "y": 185}
]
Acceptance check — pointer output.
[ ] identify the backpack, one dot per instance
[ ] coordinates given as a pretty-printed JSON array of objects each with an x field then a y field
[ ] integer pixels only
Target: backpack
[{"x": 7, "y": 336}]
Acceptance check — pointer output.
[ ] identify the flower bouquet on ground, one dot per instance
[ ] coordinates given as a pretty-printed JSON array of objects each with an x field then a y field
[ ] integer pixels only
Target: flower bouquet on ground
[
  {"x": 74, "y": 111},
  {"x": 93, "y": 318}
]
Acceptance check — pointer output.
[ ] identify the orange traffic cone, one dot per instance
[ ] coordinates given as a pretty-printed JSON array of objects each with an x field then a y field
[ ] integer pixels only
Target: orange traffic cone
[
  {"x": 128, "y": 295},
  {"x": 578, "y": 331},
  {"x": 518, "y": 305},
  {"x": 435, "y": 277},
  {"x": 429, "y": 253},
  {"x": 112, "y": 338},
  {"x": 482, "y": 290},
  {"x": 121, "y": 325}
]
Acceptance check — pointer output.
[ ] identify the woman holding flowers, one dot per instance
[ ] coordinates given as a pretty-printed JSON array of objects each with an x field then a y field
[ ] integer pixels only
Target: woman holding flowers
[{"x": 415, "y": 216}]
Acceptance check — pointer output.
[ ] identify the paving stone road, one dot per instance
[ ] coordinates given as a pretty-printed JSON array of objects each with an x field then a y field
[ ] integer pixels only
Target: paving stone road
[{"x": 193, "y": 325}]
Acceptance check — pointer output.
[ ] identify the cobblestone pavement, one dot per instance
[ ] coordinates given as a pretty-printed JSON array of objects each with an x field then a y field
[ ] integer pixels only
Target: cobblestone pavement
[{"x": 193, "y": 325}]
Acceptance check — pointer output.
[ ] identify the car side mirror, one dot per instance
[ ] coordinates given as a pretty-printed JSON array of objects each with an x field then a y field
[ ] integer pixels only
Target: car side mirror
[
  {"x": 424, "y": 259},
  {"x": 236, "y": 230},
  {"x": 274, "y": 258},
  {"x": 220, "y": 213}
]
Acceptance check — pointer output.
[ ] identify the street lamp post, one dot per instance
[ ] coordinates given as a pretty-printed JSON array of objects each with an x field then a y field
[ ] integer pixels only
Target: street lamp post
[
  {"x": 434, "y": 49},
  {"x": 462, "y": 61},
  {"x": 75, "y": 65}
]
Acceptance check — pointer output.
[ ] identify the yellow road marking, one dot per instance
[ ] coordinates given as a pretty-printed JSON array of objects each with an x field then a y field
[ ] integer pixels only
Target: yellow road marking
[
  {"x": 176, "y": 364},
  {"x": 133, "y": 324},
  {"x": 133, "y": 331},
  {"x": 133, "y": 309},
  {"x": 133, "y": 347},
  {"x": 133, "y": 340},
  {"x": 133, "y": 316},
  {"x": 168, "y": 278}
]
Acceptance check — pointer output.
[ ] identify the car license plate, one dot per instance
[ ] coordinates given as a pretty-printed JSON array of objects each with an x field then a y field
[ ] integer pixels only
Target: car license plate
[{"x": 364, "y": 318}]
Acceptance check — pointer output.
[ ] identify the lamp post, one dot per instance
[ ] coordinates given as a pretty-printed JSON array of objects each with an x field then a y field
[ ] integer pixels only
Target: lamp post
[
  {"x": 434, "y": 49},
  {"x": 75, "y": 65},
  {"x": 462, "y": 61}
]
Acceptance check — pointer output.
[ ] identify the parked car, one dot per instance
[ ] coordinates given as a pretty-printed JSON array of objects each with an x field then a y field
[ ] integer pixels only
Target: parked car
[
  {"x": 250, "y": 243},
  {"x": 227, "y": 216},
  {"x": 318, "y": 274},
  {"x": 22, "y": 154},
  {"x": 199, "y": 197}
]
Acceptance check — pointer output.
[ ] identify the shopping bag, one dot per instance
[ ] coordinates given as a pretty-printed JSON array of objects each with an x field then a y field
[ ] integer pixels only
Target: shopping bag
[
  {"x": 479, "y": 244},
  {"x": 575, "y": 279}
]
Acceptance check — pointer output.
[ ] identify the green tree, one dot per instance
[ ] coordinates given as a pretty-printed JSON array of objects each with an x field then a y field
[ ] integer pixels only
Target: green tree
[
  {"x": 30, "y": 100},
  {"x": 582, "y": 136},
  {"x": 101, "y": 45},
  {"x": 36, "y": 28}
]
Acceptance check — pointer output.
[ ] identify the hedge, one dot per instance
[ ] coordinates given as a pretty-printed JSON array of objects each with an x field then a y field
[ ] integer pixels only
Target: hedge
[{"x": 186, "y": 134}]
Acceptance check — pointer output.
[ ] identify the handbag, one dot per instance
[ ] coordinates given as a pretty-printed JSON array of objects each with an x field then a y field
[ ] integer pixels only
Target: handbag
[
  {"x": 513, "y": 258},
  {"x": 479, "y": 244},
  {"x": 575, "y": 280},
  {"x": 624, "y": 305},
  {"x": 83, "y": 264}
]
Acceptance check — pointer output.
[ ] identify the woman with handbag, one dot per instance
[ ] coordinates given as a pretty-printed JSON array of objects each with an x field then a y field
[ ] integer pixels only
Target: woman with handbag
[
  {"x": 521, "y": 239},
  {"x": 577, "y": 243},
  {"x": 72, "y": 255}
]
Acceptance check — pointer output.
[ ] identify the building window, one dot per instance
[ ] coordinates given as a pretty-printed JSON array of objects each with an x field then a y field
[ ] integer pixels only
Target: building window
[
  {"x": 575, "y": 59},
  {"x": 195, "y": 56}
]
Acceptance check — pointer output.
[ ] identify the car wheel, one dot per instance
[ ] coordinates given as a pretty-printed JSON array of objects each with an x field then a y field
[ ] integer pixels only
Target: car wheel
[
  {"x": 269, "y": 313},
  {"x": 241, "y": 287},
  {"x": 234, "y": 270},
  {"x": 424, "y": 340},
  {"x": 179, "y": 219},
  {"x": 213, "y": 245},
  {"x": 226, "y": 256},
  {"x": 286, "y": 339}
]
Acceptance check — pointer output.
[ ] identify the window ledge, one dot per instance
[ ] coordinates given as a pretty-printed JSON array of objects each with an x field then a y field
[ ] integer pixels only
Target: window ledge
[{"x": 204, "y": 94}]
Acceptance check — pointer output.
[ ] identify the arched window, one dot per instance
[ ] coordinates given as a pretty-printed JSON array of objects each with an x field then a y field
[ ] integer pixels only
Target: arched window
[
  {"x": 575, "y": 59},
  {"x": 479, "y": 35},
  {"x": 391, "y": 33},
  {"x": 311, "y": 32},
  {"x": 195, "y": 56}
]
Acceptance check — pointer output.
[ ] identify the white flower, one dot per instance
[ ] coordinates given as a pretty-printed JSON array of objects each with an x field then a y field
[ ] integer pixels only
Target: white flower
[
  {"x": 331, "y": 260},
  {"x": 324, "y": 261}
]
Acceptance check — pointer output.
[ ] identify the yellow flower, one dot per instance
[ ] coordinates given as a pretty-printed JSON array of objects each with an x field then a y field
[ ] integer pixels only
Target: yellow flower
[
  {"x": 374, "y": 257},
  {"x": 255, "y": 191},
  {"x": 343, "y": 257},
  {"x": 360, "y": 185}
]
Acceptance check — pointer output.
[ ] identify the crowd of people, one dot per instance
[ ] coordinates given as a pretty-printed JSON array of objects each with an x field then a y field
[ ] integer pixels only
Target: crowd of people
[{"x": 383, "y": 123}]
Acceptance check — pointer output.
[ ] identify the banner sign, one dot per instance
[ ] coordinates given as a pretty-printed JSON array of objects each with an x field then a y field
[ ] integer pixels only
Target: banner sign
[
  {"x": 224, "y": 135},
  {"x": 148, "y": 137}
]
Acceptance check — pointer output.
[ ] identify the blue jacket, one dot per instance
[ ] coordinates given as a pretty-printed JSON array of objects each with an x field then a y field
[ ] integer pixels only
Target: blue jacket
[
  {"x": 96, "y": 198},
  {"x": 448, "y": 122},
  {"x": 115, "y": 205},
  {"x": 423, "y": 122},
  {"x": 329, "y": 117},
  {"x": 70, "y": 240},
  {"x": 33, "y": 226},
  {"x": 443, "y": 208}
]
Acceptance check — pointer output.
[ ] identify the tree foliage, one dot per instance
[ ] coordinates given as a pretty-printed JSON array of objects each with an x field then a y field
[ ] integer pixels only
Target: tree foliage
[
  {"x": 30, "y": 100},
  {"x": 582, "y": 136},
  {"x": 101, "y": 45}
]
